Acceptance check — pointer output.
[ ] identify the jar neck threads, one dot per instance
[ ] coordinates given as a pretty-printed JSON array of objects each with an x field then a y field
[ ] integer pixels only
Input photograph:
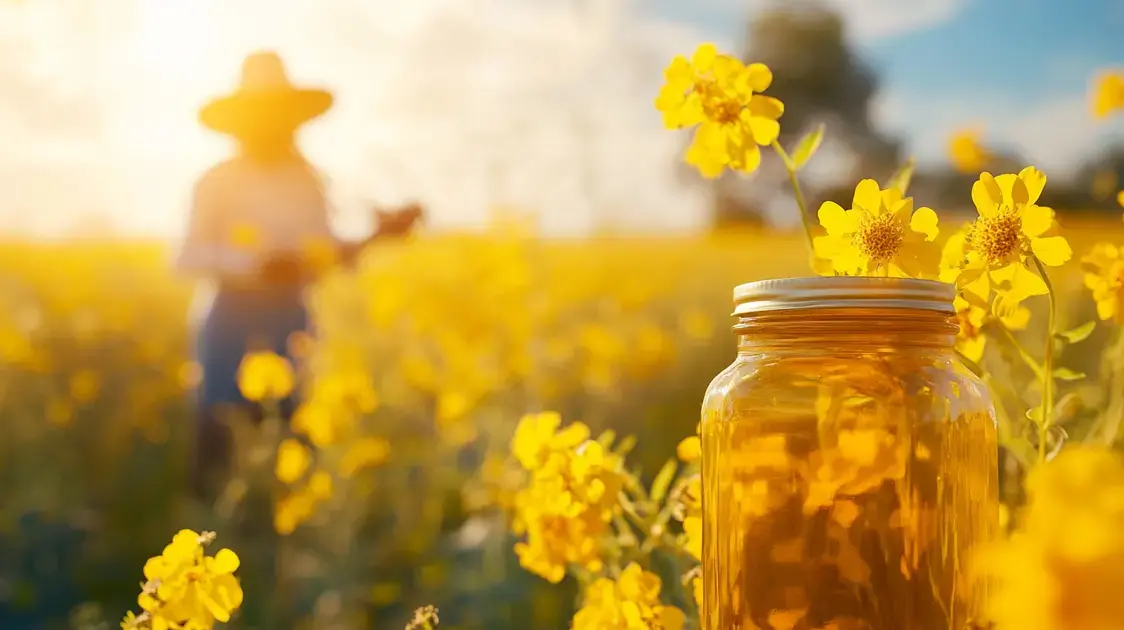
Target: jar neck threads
[{"x": 833, "y": 330}]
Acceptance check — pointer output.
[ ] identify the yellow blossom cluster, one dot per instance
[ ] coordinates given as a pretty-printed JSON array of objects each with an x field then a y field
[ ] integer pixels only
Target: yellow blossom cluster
[
  {"x": 567, "y": 506},
  {"x": 631, "y": 602},
  {"x": 185, "y": 589},
  {"x": 1104, "y": 276},
  {"x": 722, "y": 96},
  {"x": 1063, "y": 567}
]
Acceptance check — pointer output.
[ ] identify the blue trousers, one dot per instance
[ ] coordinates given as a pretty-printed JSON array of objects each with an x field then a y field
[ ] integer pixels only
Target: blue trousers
[{"x": 238, "y": 320}]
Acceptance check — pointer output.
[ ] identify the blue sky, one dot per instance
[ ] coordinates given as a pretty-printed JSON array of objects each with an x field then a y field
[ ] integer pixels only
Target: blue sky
[{"x": 1020, "y": 69}]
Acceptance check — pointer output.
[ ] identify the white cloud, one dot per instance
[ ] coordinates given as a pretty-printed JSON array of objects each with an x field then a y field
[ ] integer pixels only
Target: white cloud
[
  {"x": 1056, "y": 134},
  {"x": 876, "y": 19},
  {"x": 463, "y": 103}
]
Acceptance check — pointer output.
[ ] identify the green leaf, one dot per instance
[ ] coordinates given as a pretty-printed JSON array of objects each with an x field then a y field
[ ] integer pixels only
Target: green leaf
[
  {"x": 1067, "y": 374},
  {"x": 807, "y": 147},
  {"x": 901, "y": 179},
  {"x": 663, "y": 480},
  {"x": 1081, "y": 333}
]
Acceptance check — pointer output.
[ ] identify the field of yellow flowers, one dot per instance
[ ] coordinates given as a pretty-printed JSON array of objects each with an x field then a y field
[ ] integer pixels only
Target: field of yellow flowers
[{"x": 391, "y": 489}]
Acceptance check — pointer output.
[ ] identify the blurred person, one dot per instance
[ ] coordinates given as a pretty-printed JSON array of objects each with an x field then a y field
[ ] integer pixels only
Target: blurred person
[{"x": 251, "y": 221}]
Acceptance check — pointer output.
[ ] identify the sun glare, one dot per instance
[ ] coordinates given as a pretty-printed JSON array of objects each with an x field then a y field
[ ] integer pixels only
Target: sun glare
[{"x": 171, "y": 33}]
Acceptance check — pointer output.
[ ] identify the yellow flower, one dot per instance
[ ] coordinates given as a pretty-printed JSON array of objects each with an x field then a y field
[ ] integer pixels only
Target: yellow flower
[
  {"x": 1104, "y": 276},
  {"x": 265, "y": 376},
  {"x": 85, "y": 386},
  {"x": 966, "y": 152},
  {"x": 692, "y": 528},
  {"x": 537, "y": 436},
  {"x": 1062, "y": 568},
  {"x": 690, "y": 449},
  {"x": 1120, "y": 197},
  {"x": 364, "y": 453},
  {"x": 1108, "y": 94},
  {"x": 880, "y": 235},
  {"x": 716, "y": 92},
  {"x": 1010, "y": 231},
  {"x": 632, "y": 602},
  {"x": 186, "y": 588},
  {"x": 292, "y": 461}
]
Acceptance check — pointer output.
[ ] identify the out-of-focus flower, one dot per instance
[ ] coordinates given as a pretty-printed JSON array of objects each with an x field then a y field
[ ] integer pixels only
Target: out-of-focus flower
[
  {"x": 880, "y": 235},
  {"x": 717, "y": 92},
  {"x": 1010, "y": 230},
  {"x": 1108, "y": 94},
  {"x": 293, "y": 459},
  {"x": 966, "y": 153},
  {"x": 364, "y": 453},
  {"x": 690, "y": 449},
  {"x": 1103, "y": 185},
  {"x": 265, "y": 376},
  {"x": 300, "y": 504},
  {"x": 425, "y": 618},
  {"x": 1061, "y": 569},
  {"x": 631, "y": 602},
  {"x": 1104, "y": 276}
]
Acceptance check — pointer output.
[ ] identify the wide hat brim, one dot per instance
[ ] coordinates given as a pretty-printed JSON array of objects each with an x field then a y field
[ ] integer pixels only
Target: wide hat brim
[{"x": 283, "y": 107}]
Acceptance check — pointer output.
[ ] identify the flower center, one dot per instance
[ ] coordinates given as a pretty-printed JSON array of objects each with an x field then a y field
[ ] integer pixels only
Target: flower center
[
  {"x": 717, "y": 105},
  {"x": 997, "y": 237},
  {"x": 879, "y": 238}
]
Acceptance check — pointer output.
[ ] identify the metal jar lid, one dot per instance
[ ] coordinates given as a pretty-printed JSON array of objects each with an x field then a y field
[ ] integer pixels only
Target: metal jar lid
[{"x": 843, "y": 292}]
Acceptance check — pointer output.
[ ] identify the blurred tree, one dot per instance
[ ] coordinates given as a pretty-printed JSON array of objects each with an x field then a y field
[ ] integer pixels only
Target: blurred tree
[
  {"x": 1096, "y": 183},
  {"x": 820, "y": 79}
]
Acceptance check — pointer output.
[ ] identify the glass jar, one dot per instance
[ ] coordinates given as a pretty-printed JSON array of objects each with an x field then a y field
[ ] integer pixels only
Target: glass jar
[{"x": 850, "y": 462}]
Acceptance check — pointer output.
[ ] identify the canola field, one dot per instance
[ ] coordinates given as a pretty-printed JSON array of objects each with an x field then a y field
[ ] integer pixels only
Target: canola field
[{"x": 423, "y": 359}]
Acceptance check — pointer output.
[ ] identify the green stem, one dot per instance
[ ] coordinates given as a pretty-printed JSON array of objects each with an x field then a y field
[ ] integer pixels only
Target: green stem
[
  {"x": 800, "y": 203},
  {"x": 1010, "y": 338},
  {"x": 1048, "y": 365}
]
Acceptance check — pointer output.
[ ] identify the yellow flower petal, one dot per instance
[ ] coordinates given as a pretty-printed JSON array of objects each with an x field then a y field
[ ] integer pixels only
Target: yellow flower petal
[
  {"x": 1013, "y": 188},
  {"x": 986, "y": 195},
  {"x": 1034, "y": 180},
  {"x": 765, "y": 107},
  {"x": 1036, "y": 220},
  {"x": 690, "y": 449},
  {"x": 1052, "y": 251},
  {"x": 1023, "y": 282},
  {"x": 924, "y": 220},
  {"x": 836, "y": 220},
  {"x": 868, "y": 196},
  {"x": 760, "y": 76},
  {"x": 974, "y": 285},
  {"x": 764, "y": 130},
  {"x": 1108, "y": 307},
  {"x": 972, "y": 348},
  {"x": 225, "y": 561},
  {"x": 704, "y": 57},
  {"x": 749, "y": 159}
]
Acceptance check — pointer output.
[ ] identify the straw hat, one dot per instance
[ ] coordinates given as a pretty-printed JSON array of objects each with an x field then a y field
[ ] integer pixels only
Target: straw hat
[{"x": 264, "y": 95}]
